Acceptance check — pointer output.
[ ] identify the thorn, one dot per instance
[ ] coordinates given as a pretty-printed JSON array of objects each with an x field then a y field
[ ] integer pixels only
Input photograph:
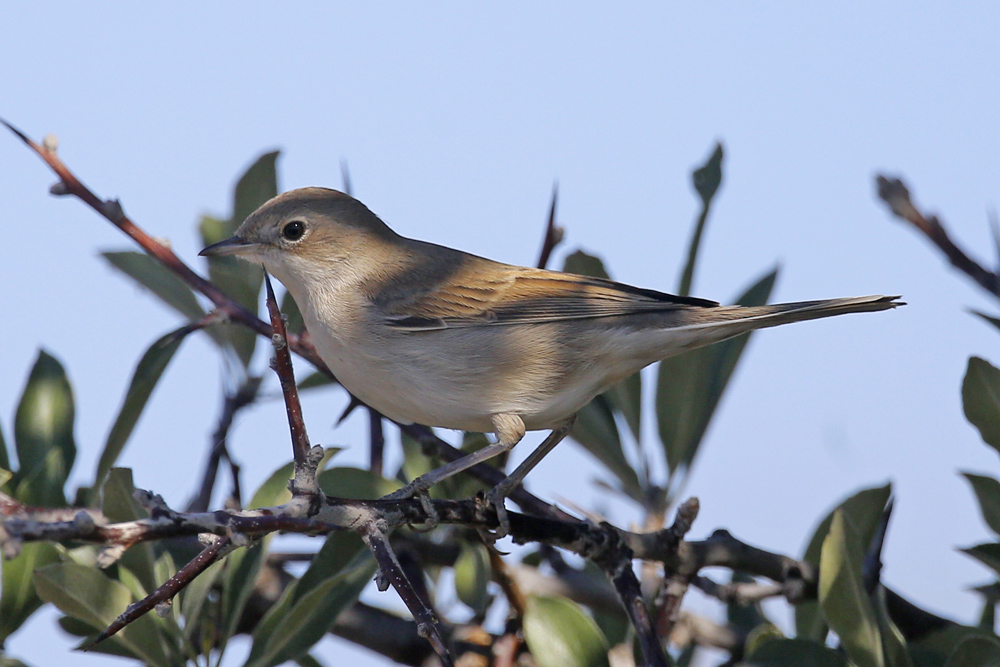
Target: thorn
[
  {"x": 112, "y": 208},
  {"x": 354, "y": 403},
  {"x": 82, "y": 520},
  {"x": 20, "y": 135}
]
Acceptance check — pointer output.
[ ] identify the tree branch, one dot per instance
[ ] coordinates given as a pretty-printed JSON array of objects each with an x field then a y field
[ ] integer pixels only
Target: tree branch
[{"x": 897, "y": 196}]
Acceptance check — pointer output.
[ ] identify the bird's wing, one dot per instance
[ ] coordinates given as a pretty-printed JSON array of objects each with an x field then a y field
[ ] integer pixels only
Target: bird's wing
[{"x": 506, "y": 295}]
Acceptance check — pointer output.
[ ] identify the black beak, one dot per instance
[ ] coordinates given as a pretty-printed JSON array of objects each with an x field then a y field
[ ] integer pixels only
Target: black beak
[{"x": 231, "y": 246}]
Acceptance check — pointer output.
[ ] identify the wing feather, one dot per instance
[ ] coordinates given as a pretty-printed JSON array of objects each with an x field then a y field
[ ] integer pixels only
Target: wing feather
[{"x": 505, "y": 295}]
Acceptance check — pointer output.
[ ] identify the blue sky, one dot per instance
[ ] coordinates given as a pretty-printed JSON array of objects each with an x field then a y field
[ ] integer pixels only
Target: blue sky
[{"x": 455, "y": 121}]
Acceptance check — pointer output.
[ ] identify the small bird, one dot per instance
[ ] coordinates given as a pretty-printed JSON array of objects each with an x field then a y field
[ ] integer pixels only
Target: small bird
[{"x": 430, "y": 335}]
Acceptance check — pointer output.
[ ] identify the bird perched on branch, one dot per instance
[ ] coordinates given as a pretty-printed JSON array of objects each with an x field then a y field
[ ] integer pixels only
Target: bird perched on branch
[{"x": 436, "y": 336}]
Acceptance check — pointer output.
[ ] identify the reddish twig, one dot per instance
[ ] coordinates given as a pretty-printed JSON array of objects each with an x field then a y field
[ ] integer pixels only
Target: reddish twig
[
  {"x": 390, "y": 572},
  {"x": 897, "y": 196},
  {"x": 286, "y": 376},
  {"x": 167, "y": 591}
]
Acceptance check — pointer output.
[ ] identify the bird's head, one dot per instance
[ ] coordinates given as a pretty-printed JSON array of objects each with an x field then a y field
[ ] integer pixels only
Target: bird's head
[{"x": 308, "y": 233}]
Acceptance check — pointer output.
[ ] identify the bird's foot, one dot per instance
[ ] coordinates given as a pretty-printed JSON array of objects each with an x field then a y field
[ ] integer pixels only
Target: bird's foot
[
  {"x": 419, "y": 491},
  {"x": 495, "y": 498}
]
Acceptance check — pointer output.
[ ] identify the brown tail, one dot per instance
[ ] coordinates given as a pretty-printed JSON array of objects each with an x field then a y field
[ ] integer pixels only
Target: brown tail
[
  {"x": 761, "y": 317},
  {"x": 704, "y": 326}
]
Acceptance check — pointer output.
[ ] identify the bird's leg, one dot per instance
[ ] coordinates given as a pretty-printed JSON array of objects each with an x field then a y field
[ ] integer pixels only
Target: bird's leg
[
  {"x": 499, "y": 493},
  {"x": 509, "y": 430}
]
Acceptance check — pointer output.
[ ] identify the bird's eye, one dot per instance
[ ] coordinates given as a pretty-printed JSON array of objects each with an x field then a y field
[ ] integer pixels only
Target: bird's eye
[{"x": 294, "y": 230}]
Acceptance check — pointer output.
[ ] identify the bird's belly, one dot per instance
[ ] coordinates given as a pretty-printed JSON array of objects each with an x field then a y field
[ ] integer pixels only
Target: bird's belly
[{"x": 456, "y": 379}]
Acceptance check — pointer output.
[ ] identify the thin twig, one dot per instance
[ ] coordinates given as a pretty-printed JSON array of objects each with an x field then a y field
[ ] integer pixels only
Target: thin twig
[
  {"x": 615, "y": 558},
  {"x": 375, "y": 537},
  {"x": 286, "y": 376},
  {"x": 739, "y": 593},
  {"x": 897, "y": 196},
  {"x": 167, "y": 591},
  {"x": 31, "y": 524},
  {"x": 376, "y": 441},
  {"x": 232, "y": 404},
  {"x": 667, "y": 605}
]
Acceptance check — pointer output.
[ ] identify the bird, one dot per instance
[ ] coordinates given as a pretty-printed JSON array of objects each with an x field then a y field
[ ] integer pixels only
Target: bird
[{"x": 431, "y": 335}]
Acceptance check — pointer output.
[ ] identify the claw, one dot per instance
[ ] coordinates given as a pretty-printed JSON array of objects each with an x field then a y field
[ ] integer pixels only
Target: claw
[
  {"x": 421, "y": 493},
  {"x": 495, "y": 498},
  {"x": 433, "y": 518}
]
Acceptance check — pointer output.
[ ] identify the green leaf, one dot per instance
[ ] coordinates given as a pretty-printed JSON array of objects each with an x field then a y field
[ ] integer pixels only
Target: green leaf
[
  {"x": 43, "y": 433},
  {"x": 199, "y": 619},
  {"x": 147, "y": 374},
  {"x": 241, "y": 280},
  {"x": 976, "y": 652},
  {"x": 583, "y": 264},
  {"x": 87, "y": 595},
  {"x": 987, "y": 490},
  {"x": 896, "y": 651},
  {"x": 981, "y": 399},
  {"x": 626, "y": 399},
  {"x": 706, "y": 180},
  {"x": 559, "y": 633},
  {"x": 795, "y": 653},
  {"x": 708, "y": 177},
  {"x": 315, "y": 379},
  {"x": 472, "y": 576},
  {"x": 4, "y": 456},
  {"x": 274, "y": 491},
  {"x": 238, "y": 582},
  {"x": 863, "y": 510},
  {"x": 356, "y": 483},
  {"x": 842, "y": 594},
  {"x": 690, "y": 385},
  {"x": 118, "y": 504},
  {"x": 762, "y": 634},
  {"x": 595, "y": 428},
  {"x": 308, "y": 609},
  {"x": 295, "y": 323},
  {"x": 18, "y": 599},
  {"x": 339, "y": 551},
  {"x": 988, "y": 554},
  {"x": 936, "y": 647},
  {"x": 256, "y": 186},
  {"x": 163, "y": 569},
  {"x": 161, "y": 281}
]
